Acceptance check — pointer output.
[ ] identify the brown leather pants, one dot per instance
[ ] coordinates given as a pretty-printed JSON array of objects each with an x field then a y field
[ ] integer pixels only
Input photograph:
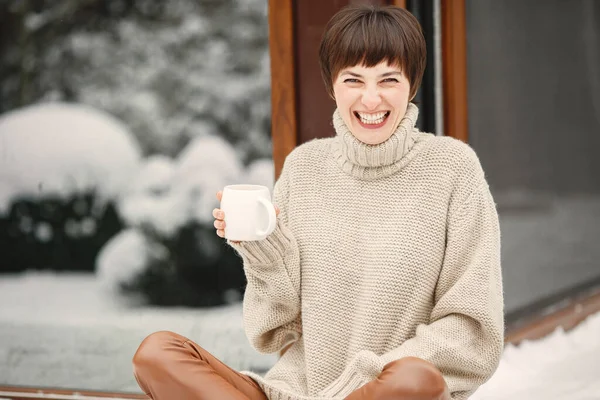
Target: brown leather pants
[{"x": 168, "y": 366}]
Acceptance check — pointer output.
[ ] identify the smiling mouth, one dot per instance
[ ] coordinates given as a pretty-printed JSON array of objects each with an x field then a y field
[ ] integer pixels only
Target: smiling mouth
[{"x": 372, "y": 121}]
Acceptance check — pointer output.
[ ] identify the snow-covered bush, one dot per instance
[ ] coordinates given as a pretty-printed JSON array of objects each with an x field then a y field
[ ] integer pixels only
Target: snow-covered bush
[
  {"x": 148, "y": 204},
  {"x": 59, "y": 149},
  {"x": 166, "y": 194},
  {"x": 124, "y": 257},
  {"x": 56, "y": 233},
  {"x": 62, "y": 168},
  {"x": 261, "y": 172},
  {"x": 168, "y": 207}
]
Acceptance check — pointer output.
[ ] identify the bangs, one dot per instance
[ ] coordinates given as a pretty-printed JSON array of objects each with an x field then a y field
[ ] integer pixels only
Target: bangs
[{"x": 370, "y": 41}]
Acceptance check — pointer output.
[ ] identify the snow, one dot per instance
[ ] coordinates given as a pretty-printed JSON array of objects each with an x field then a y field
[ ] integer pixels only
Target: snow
[
  {"x": 123, "y": 258},
  {"x": 67, "y": 331},
  {"x": 261, "y": 172},
  {"x": 209, "y": 153},
  {"x": 43, "y": 232},
  {"x": 149, "y": 201},
  {"x": 60, "y": 149},
  {"x": 563, "y": 365},
  {"x": 77, "y": 229},
  {"x": 204, "y": 167},
  {"x": 168, "y": 193}
]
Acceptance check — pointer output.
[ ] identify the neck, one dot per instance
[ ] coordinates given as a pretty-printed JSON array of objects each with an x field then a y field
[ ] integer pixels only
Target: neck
[{"x": 367, "y": 161}]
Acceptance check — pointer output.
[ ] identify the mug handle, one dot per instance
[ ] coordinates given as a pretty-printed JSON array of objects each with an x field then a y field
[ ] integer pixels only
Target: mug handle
[{"x": 272, "y": 217}]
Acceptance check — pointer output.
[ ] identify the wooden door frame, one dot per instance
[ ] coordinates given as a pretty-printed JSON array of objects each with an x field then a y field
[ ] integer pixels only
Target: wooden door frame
[
  {"x": 454, "y": 68},
  {"x": 283, "y": 81},
  {"x": 284, "y": 113}
]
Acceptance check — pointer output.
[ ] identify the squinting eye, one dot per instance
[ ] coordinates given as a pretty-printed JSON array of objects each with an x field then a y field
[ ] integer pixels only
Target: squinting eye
[
  {"x": 391, "y": 80},
  {"x": 350, "y": 80}
]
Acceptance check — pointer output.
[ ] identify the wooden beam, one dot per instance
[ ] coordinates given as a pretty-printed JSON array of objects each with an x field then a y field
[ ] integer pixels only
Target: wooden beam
[
  {"x": 454, "y": 70},
  {"x": 283, "y": 81},
  {"x": 23, "y": 393},
  {"x": 567, "y": 317}
]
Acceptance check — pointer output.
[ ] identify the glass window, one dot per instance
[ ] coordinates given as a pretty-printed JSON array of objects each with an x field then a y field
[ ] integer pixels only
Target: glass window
[{"x": 534, "y": 120}]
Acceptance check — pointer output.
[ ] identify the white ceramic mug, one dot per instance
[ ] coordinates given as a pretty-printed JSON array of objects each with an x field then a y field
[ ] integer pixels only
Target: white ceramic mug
[{"x": 249, "y": 213}]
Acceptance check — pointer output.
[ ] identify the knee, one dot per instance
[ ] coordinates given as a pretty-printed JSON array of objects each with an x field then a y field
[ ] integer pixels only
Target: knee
[
  {"x": 418, "y": 378},
  {"x": 151, "y": 352}
]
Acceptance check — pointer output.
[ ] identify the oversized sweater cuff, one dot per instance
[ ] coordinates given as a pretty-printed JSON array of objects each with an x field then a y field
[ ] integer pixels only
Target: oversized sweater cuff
[
  {"x": 365, "y": 367},
  {"x": 347, "y": 383},
  {"x": 269, "y": 250}
]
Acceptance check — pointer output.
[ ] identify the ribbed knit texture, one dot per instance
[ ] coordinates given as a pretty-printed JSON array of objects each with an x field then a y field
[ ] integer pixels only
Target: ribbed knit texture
[{"x": 381, "y": 252}]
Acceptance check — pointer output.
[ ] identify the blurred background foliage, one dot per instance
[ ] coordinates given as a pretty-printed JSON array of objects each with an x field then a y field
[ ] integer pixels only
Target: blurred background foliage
[
  {"x": 177, "y": 74},
  {"x": 171, "y": 70}
]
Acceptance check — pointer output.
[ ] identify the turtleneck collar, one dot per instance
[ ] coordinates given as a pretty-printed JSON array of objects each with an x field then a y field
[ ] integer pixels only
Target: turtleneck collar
[{"x": 368, "y": 162}]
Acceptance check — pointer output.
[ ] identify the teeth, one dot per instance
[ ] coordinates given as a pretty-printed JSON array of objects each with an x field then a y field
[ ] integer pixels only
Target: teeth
[{"x": 372, "y": 118}]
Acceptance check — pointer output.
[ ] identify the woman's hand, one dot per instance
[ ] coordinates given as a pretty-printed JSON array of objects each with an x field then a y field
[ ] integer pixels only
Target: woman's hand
[{"x": 219, "y": 216}]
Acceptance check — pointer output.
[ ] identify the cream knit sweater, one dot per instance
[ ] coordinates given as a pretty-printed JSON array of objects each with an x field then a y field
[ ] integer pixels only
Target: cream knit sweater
[{"x": 380, "y": 252}]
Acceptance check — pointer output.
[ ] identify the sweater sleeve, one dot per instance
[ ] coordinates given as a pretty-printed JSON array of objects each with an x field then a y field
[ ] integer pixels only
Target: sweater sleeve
[
  {"x": 271, "y": 306},
  {"x": 464, "y": 337}
]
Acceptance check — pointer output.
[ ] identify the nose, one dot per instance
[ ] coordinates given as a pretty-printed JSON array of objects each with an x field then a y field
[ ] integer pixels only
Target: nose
[{"x": 371, "y": 98}]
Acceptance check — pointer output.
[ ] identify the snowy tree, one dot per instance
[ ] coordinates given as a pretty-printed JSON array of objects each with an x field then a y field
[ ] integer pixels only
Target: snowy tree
[{"x": 171, "y": 70}]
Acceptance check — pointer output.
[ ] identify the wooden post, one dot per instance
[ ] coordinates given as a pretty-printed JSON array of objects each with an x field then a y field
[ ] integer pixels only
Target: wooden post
[
  {"x": 454, "y": 73},
  {"x": 283, "y": 82}
]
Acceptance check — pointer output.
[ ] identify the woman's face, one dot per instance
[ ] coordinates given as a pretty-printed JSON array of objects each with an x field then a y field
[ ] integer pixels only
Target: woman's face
[{"x": 372, "y": 100}]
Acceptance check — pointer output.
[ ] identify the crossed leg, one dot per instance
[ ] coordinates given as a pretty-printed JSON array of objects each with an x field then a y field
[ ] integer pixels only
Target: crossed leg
[
  {"x": 409, "y": 378},
  {"x": 168, "y": 366}
]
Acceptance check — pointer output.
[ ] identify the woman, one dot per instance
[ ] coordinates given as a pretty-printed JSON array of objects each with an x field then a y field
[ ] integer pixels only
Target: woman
[{"x": 383, "y": 274}]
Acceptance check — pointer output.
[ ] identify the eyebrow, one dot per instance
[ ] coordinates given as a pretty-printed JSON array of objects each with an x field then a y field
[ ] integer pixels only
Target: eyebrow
[{"x": 385, "y": 75}]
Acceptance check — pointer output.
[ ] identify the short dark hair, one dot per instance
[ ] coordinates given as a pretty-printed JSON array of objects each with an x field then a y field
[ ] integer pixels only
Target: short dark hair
[{"x": 369, "y": 35}]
